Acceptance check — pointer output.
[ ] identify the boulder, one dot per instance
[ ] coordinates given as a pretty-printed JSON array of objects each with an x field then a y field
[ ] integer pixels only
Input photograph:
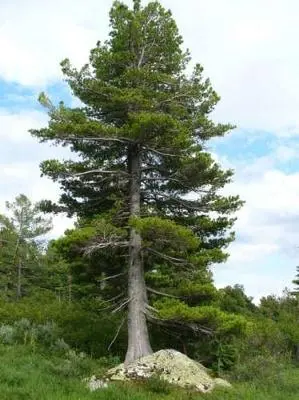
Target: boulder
[{"x": 171, "y": 366}]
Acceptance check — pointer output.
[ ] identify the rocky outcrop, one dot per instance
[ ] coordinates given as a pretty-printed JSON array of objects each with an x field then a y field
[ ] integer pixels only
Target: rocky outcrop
[{"x": 169, "y": 365}]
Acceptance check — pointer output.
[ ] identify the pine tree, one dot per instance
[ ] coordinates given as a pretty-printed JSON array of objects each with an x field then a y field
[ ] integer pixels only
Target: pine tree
[
  {"x": 141, "y": 163},
  {"x": 20, "y": 252},
  {"x": 7, "y": 245},
  {"x": 295, "y": 292}
]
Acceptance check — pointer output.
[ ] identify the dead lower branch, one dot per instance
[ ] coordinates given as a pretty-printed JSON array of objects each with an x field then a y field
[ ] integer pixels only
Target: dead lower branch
[
  {"x": 111, "y": 277},
  {"x": 121, "y": 306},
  {"x": 100, "y": 171},
  {"x": 192, "y": 326},
  {"x": 117, "y": 333},
  {"x": 173, "y": 260},
  {"x": 162, "y": 293}
]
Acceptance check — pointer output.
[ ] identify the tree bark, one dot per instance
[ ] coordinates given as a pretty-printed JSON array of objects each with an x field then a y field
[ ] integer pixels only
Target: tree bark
[
  {"x": 184, "y": 347},
  {"x": 19, "y": 281},
  {"x": 70, "y": 294},
  {"x": 138, "y": 336}
]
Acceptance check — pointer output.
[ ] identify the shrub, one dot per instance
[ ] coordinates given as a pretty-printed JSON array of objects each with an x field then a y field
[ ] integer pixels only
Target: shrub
[
  {"x": 157, "y": 385},
  {"x": 26, "y": 332},
  {"x": 73, "y": 365},
  {"x": 261, "y": 368},
  {"x": 7, "y": 334},
  {"x": 77, "y": 324}
]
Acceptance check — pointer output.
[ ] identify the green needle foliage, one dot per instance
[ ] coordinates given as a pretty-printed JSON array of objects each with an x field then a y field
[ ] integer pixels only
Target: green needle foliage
[
  {"x": 20, "y": 246},
  {"x": 296, "y": 283},
  {"x": 141, "y": 175}
]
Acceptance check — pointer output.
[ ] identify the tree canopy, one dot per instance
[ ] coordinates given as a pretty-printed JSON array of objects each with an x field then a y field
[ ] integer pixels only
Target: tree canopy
[
  {"x": 142, "y": 182},
  {"x": 20, "y": 256}
]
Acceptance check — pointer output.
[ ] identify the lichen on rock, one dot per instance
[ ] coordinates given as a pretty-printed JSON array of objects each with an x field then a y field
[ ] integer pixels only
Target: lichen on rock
[{"x": 171, "y": 366}]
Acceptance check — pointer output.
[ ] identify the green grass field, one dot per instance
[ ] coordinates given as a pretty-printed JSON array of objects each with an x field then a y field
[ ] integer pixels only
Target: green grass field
[{"x": 27, "y": 373}]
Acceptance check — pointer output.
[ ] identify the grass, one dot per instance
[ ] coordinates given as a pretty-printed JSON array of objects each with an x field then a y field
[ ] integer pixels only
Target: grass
[{"x": 29, "y": 374}]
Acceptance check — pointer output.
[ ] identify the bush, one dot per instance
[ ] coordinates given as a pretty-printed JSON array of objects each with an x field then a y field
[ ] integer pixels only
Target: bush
[
  {"x": 157, "y": 385},
  {"x": 7, "y": 333},
  {"x": 73, "y": 365},
  {"x": 109, "y": 362},
  {"x": 263, "y": 354},
  {"x": 80, "y": 327},
  {"x": 25, "y": 332},
  {"x": 261, "y": 368}
]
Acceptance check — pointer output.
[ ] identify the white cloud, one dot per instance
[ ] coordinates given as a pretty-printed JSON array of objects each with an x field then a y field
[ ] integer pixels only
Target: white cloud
[
  {"x": 249, "y": 51},
  {"x": 60, "y": 224},
  {"x": 285, "y": 153},
  {"x": 247, "y": 48},
  {"x": 36, "y": 36},
  {"x": 24, "y": 176},
  {"x": 12, "y": 171},
  {"x": 15, "y": 125},
  {"x": 256, "y": 285},
  {"x": 249, "y": 252},
  {"x": 265, "y": 254},
  {"x": 270, "y": 217}
]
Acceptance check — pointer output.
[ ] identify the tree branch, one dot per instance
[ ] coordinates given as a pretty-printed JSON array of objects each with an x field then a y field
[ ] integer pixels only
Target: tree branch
[
  {"x": 160, "y": 152},
  {"x": 162, "y": 293},
  {"x": 113, "y": 298},
  {"x": 117, "y": 333},
  {"x": 99, "y": 171},
  {"x": 83, "y": 87},
  {"x": 176, "y": 96},
  {"x": 112, "y": 277},
  {"x": 99, "y": 246},
  {"x": 110, "y": 307},
  {"x": 186, "y": 203},
  {"x": 162, "y": 178},
  {"x": 150, "y": 308},
  {"x": 193, "y": 326},
  {"x": 174, "y": 260},
  {"x": 121, "y": 306},
  {"x": 97, "y": 139},
  {"x": 141, "y": 57},
  {"x": 179, "y": 181}
]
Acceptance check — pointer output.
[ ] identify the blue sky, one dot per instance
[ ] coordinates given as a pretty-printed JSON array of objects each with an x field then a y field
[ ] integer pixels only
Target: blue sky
[{"x": 249, "y": 51}]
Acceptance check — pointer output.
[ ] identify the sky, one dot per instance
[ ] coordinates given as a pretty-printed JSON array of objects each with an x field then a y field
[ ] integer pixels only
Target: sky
[{"x": 249, "y": 50}]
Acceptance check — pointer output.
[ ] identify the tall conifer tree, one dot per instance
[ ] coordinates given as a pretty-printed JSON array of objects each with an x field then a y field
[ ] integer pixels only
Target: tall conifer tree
[{"x": 141, "y": 162}]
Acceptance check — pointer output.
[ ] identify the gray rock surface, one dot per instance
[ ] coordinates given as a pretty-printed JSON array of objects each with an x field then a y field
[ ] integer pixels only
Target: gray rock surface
[{"x": 171, "y": 366}]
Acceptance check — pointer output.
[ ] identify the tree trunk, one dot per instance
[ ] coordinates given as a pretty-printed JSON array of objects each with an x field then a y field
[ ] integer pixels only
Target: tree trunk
[
  {"x": 184, "y": 347},
  {"x": 70, "y": 280},
  {"x": 19, "y": 281},
  {"x": 138, "y": 336}
]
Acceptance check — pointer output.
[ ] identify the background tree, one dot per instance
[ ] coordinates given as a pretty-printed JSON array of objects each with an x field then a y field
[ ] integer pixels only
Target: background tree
[
  {"x": 234, "y": 299},
  {"x": 20, "y": 254},
  {"x": 296, "y": 283},
  {"x": 7, "y": 247},
  {"x": 141, "y": 164}
]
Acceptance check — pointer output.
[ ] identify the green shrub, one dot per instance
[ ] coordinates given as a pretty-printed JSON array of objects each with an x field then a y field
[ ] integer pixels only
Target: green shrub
[
  {"x": 28, "y": 333},
  {"x": 157, "y": 385},
  {"x": 60, "y": 346},
  {"x": 7, "y": 333},
  {"x": 109, "y": 361},
  {"x": 263, "y": 354},
  {"x": 261, "y": 368},
  {"x": 80, "y": 326},
  {"x": 72, "y": 365}
]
